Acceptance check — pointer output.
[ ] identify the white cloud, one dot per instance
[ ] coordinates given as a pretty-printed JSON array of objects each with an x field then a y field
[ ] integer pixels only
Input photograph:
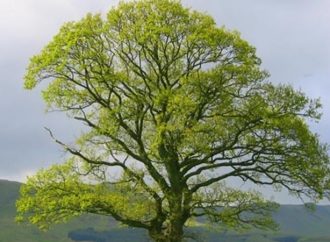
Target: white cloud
[
  {"x": 29, "y": 24},
  {"x": 20, "y": 176}
]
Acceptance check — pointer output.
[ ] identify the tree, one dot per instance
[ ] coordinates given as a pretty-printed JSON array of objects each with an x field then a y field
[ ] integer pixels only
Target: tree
[{"x": 175, "y": 106}]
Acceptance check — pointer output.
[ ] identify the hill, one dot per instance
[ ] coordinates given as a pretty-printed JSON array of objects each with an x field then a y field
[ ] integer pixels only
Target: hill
[
  {"x": 297, "y": 224},
  {"x": 13, "y": 232}
]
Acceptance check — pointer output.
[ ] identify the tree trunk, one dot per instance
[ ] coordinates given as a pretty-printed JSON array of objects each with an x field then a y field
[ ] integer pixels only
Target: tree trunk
[{"x": 173, "y": 233}]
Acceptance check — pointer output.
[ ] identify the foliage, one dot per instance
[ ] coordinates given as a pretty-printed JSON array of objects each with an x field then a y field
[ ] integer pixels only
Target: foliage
[
  {"x": 175, "y": 107},
  {"x": 13, "y": 232}
]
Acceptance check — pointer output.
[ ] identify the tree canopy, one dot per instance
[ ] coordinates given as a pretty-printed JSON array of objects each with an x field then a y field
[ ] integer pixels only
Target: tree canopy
[{"x": 174, "y": 107}]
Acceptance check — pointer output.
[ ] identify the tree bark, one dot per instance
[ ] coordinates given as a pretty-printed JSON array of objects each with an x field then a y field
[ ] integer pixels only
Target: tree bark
[{"x": 173, "y": 233}]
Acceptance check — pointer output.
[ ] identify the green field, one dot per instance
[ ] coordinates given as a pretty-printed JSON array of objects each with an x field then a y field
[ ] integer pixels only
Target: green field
[{"x": 297, "y": 224}]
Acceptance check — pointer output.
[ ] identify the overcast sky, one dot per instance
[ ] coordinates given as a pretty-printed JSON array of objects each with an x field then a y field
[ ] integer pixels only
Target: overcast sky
[{"x": 292, "y": 38}]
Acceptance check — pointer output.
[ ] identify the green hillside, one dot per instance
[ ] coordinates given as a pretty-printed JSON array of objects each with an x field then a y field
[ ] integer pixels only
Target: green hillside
[
  {"x": 13, "y": 232},
  {"x": 297, "y": 224},
  {"x": 296, "y": 219}
]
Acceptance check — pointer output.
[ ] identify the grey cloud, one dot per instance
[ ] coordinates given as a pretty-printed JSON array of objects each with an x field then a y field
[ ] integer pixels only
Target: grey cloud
[{"x": 291, "y": 37}]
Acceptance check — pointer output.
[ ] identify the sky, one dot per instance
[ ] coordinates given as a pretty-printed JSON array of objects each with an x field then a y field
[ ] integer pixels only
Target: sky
[{"x": 292, "y": 39}]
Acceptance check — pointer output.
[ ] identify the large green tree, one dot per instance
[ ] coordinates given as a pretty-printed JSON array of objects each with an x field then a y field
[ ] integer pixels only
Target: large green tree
[{"x": 174, "y": 106}]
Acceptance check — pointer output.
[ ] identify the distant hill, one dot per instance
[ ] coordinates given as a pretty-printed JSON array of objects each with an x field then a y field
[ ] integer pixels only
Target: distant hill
[
  {"x": 10, "y": 231},
  {"x": 296, "y": 219},
  {"x": 297, "y": 224}
]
